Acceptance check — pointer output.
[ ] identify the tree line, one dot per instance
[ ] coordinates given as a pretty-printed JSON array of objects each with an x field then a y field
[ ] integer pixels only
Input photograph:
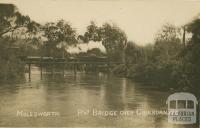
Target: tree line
[
  {"x": 171, "y": 61},
  {"x": 53, "y": 38}
]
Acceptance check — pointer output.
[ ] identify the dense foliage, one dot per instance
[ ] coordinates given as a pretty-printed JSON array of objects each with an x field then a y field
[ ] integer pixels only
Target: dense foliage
[
  {"x": 10, "y": 19},
  {"x": 169, "y": 61},
  {"x": 112, "y": 37},
  {"x": 11, "y": 68}
]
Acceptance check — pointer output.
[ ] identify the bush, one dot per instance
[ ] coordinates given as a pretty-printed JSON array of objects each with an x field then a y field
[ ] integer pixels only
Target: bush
[
  {"x": 119, "y": 70},
  {"x": 11, "y": 68}
]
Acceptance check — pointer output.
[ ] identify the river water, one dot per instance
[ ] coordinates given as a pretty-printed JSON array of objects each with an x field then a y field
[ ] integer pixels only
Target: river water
[{"x": 81, "y": 100}]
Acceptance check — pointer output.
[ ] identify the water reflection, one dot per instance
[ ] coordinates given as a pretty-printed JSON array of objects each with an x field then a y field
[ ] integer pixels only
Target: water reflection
[{"x": 71, "y": 92}]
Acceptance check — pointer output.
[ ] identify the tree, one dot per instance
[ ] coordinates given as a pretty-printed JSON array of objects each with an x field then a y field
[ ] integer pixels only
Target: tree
[
  {"x": 190, "y": 55},
  {"x": 114, "y": 40},
  {"x": 132, "y": 52},
  {"x": 93, "y": 33},
  {"x": 167, "y": 43},
  {"x": 166, "y": 56},
  {"x": 11, "y": 19},
  {"x": 112, "y": 37},
  {"x": 19, "y": 28},
  {"x": 59, "y": 35}
]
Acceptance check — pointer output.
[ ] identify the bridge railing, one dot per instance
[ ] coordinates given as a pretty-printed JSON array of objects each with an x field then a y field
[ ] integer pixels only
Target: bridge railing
[{"x": 49, "y": 60}]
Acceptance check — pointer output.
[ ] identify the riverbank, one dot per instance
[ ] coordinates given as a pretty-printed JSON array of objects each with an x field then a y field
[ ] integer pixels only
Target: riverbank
[
  {"x": 11, "y": 68},
  {"x": 11, "y": 71},
  {"x": 148, "y": 75}
]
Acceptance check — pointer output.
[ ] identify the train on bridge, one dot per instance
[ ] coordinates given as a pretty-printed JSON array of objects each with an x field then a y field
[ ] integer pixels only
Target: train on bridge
[
  {"x": 80, "y": 63},
  {"x": 80, "y": 59}
]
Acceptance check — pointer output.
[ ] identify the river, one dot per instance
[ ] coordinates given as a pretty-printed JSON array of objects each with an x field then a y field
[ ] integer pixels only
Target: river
[{"x": 81, "y": 100}]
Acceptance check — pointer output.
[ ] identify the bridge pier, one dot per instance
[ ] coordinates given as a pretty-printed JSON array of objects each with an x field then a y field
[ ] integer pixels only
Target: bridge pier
[
  {"x": 73, "y": 66},
  {"x": 29, "y": 71},
  {"x": 52, "y": 68},
  {"x": 63, "y": 69},
  {"x": 41, "y": 73}
]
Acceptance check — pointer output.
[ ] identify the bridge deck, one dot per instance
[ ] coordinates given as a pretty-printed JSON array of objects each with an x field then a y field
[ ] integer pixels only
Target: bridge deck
[{"x": 51, "y": 62}]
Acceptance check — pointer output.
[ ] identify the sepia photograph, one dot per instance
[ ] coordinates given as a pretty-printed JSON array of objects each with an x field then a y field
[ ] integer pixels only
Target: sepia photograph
[{"x": 100, "y": 63}]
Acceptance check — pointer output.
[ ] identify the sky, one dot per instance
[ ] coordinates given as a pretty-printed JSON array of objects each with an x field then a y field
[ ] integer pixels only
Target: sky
[{"x": 140, "y": 19}]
